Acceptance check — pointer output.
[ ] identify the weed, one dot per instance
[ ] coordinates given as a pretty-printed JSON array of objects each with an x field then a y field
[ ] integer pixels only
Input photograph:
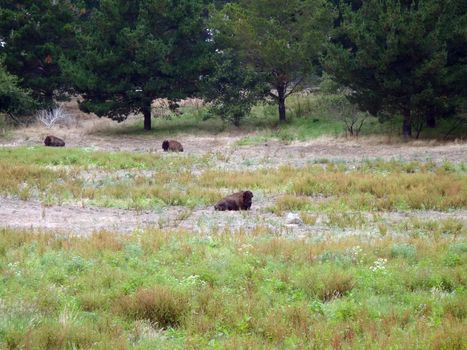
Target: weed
[
  {"x": 159, "y": 304},
  {"x": 308, "y": 219},
  {"x": 169, "y": 288},
  {"x": 346, "y": 220},
  {"x": 328, "y": 285},
  {"x": 287, "y": 203},
  {"x": 406, "y": 251}
]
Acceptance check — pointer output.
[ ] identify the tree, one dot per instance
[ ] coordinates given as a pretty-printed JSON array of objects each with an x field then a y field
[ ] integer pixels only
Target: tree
[
  {"x": 136, "y": 51},
  {"x": 453, "y": 28},
  {"x": 280, "y": 40},
  {"x": 36, "y": 34},
  {"x": 394, "y": 58},
  {"x": 13, "y": 99},
  {"x": 232, "y": 88}
]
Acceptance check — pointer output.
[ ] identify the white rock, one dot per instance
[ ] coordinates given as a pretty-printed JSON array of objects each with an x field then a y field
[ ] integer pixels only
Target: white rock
[{"x": 293, "y": 219}]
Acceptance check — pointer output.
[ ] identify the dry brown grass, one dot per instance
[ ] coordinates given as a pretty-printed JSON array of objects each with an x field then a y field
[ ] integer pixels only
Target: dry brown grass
[
  {"x": 289, "y": 202},
  {"x": 308, "y": 219},
  {"x": 159, "y": 304},
  {"x": 327, "y": 285},
  {"x": 357, "y": 189}
]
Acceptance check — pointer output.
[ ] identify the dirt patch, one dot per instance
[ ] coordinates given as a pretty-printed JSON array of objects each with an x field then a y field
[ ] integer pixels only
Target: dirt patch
[
  {"x": 76, "y": 219},
  {"x": 231, "y": 156},
  {"x": 225, "y": 154},
  {"x": 69, "y": 219}
]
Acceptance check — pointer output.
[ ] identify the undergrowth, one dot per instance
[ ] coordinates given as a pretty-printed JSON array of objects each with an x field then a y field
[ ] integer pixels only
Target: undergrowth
[
  {"x": 170, "y": 289},
  {"x": 141, "y": 180}
]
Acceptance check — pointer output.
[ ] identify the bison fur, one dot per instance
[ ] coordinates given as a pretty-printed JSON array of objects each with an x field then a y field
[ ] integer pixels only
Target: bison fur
[
  {"x": 53, "y": 141},
  {"x": 237, "y": 201},
  {"x": 172, "y": 145}
]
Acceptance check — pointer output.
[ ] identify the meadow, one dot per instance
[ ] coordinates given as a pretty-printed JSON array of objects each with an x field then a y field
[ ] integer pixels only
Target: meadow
[
  {"x": 376, "y": 258},
  {"x": 231, "y": 290}
]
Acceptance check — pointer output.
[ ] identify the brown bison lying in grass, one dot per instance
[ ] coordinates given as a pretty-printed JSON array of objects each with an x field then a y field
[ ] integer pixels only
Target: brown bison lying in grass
[
  {"x": 53, "y": 141},
  {"x": 237, "y": 201},
  {"x": 172, "y": 145}
]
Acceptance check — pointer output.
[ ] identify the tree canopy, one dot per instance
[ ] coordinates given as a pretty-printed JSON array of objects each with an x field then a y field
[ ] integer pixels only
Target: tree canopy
[
  {"x": 13, "y": 99},
  {"x": 36, "y": 34},
  {"x": 232, "y": 88},
  {"x": 394, "y": 58},
  {"x": 134, "y": 52},
  {"x": 281, "y": 40}
]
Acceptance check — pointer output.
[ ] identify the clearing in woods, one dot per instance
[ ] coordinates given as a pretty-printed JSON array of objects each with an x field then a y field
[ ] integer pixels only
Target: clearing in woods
[{"x": 350, "y": 244}]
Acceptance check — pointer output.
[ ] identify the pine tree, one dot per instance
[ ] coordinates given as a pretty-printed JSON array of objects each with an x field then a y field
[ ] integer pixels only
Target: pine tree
[
  {"x": 13, "y": 99},
  {"x": 393, "y": 56},
  {"x": 35, "y": 35},
  {"x": 135, "y": 51},
  {"x": 232, "y": 88},
  {"x": 280, "y": 40}
]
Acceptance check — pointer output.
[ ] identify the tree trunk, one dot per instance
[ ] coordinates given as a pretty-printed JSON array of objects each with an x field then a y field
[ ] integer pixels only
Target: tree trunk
[
  {"x": 281, "y": 102},
  {"x": 407, "y": 125},
  {"x": 147, "y": 117},
  {"x": 431, "y": 121}
]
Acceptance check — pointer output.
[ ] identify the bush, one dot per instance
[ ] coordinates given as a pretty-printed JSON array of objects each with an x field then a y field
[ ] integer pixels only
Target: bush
[
  {"x": 158, "y": 304},
  {"x": 406, "y": 251},
  {"x": 326, "y": 284}
]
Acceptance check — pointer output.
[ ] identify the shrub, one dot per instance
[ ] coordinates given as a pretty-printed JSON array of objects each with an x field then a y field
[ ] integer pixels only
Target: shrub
[
  {"x": 52, "y": 117},
  {"x": 326, "y": 284},
  {"x": 406, "y": 251},
  {"x": 158, "y": 304}
]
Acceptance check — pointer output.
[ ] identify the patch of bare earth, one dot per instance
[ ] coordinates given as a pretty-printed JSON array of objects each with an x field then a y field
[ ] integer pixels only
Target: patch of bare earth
[
  {"x": 226, "y": 154},
  {"x": 84, "y": 133},
  {"x": 71, "y": 219}
]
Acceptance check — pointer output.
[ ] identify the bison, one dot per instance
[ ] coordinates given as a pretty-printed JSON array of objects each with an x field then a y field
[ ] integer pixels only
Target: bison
[
  {"x": 237, "y": 201},
  {"x": 172, "y": 145},
  {"x": 53, "y": 141}
]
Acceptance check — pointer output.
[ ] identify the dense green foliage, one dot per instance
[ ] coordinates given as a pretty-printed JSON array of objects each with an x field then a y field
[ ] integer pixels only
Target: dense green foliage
[
  {"x": 233, "y": 88},
  {"x": 13, "y": 99},
  {"x": 393, "y": 58},
  {"x": 36, "y": 34},
  {"x": 393, "y": 55},
  {"x": 279, "y": 40},
  {"x": 134, "y": 52}
]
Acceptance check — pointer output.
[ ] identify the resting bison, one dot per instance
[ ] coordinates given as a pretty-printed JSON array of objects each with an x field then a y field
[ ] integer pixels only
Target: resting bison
[
  {"x": 172, "y": 145},
  {"x": 53, "y": 141},
  {"x": 237, "y": 201}
]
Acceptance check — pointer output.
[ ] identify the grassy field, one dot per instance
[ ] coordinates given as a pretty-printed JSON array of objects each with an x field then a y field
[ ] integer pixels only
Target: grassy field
[
  {"x": 172, "y": 290},
  {"x": 390, "y": 284},
  {"x": 77, "y": 175},
  {"x": 401, "y": 287}
]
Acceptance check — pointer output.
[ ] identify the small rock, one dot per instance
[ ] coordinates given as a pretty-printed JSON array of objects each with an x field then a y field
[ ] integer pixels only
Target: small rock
[{"x": 293, "y": 219}]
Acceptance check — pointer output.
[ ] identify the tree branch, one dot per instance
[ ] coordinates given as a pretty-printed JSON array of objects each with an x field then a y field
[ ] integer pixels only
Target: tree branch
[
  {"x": 293, "y": 89},
  {"x": 14, "y": 119}
]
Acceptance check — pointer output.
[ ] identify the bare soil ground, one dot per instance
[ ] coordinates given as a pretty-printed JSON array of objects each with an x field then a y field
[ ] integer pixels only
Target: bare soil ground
[
  {"x": 73, "y": 219},
  {"x": 85, "y": 133}
]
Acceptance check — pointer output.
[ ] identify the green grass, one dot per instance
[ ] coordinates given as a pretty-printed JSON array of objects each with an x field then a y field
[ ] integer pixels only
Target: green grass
[
  {"x": 193, "y": 121},
  {"x": 314, "y": 121},
  {"x": 308, "y": 117},
  {"x": 161, "y": 289},
  {"x": 147, "y": 180},
  {"x": 89, "y": 158},
  {"x": 169, "y": 289}
]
